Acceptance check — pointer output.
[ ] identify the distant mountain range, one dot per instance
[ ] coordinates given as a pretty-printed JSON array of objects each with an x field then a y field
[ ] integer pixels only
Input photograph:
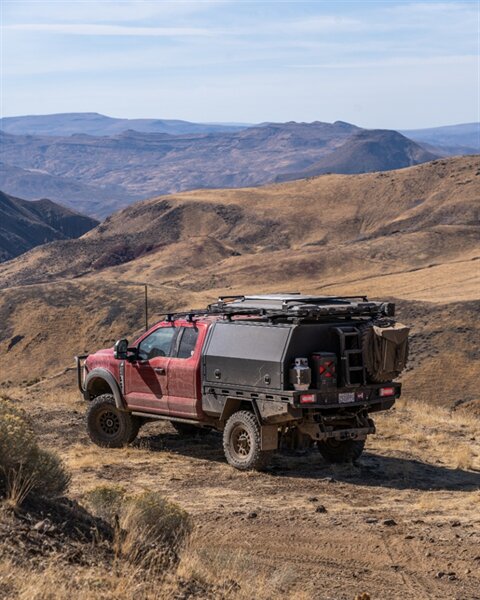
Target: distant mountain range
[
  {"x": 449, "y": 140},
  {"x": 97, "y": 124},
  {"x": 100, "y": 174},
  {"x": 24, "y": 224}
]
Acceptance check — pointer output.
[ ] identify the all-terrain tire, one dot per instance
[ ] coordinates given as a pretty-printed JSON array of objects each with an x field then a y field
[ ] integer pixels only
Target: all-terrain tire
[
  {"x": 242, "y": 442},
  {"x": 109, "y": 427},
  {"x": 336, "y": 451}
]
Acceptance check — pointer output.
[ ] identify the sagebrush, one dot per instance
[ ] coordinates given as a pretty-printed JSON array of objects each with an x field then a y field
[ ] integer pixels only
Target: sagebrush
[{"x": 25, "y": 468}]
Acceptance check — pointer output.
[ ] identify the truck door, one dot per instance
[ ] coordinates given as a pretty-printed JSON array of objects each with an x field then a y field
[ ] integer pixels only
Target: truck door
[
  {"x": 146, "y": 386},
  {"x": 184, "y": 399}
]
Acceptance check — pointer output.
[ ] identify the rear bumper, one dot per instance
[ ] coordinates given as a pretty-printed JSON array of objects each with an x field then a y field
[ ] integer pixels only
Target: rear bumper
[{"x": 369, "y": 397}]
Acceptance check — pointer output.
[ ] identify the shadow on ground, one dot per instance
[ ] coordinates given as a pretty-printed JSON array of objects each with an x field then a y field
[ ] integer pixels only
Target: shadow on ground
[
  {"x": 371, "y": 469},
  {"x": 387, "y": 471}
]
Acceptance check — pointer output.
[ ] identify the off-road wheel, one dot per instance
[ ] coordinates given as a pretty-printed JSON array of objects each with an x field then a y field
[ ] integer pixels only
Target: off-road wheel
[
  {"x": 242, "y": 442},
  {"x": 186, "y": 428},
  {"x": 109, "y": 427},
  {"x": 337, "y": 451}
]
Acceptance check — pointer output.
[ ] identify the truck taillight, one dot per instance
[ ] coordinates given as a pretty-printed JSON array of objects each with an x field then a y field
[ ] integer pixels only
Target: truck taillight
[
  {"x": 386, "y": 391},
  {"x": 307, "y": 398}
]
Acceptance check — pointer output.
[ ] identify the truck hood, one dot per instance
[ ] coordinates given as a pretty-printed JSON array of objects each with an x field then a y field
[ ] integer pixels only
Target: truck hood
[{"x": 100, "y": 358}]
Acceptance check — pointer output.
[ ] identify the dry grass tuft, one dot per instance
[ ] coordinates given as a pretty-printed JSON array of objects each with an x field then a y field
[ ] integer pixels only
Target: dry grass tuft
[{"x": 463, "y": 457}]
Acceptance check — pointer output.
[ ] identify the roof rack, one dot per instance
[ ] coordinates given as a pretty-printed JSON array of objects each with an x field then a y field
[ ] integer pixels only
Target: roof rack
[{"x": 289, "y": 307}]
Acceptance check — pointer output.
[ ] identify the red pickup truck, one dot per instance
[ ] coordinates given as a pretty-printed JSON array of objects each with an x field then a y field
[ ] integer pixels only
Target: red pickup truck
[{"x": 265, "y": 370}]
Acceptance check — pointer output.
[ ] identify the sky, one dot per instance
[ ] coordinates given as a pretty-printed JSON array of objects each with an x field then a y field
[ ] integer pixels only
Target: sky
[{"x": 375, "y": 63}]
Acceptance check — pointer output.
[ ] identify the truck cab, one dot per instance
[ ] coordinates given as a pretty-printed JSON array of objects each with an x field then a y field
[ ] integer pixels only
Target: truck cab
[{"x": 265, "y": 370}]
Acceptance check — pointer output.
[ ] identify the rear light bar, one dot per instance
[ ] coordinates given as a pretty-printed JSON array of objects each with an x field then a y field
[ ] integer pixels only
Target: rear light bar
[
  {"x": 307, "y": 398},
  {"x": 386, "y": 391}
]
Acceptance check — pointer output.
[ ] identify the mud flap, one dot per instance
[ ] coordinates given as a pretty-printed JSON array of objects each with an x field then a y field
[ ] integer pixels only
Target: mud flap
[{"x": 269, "y": 437}]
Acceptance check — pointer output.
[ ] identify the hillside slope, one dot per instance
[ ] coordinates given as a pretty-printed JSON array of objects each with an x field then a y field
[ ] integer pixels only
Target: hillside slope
[
  {"x": 308, "y": 230},
  {"x": 368, "y": 151},
  {"x": 24, "y": 224},
  {"x": 411, "y": 235},
  {"x": 139, "y": 165}
]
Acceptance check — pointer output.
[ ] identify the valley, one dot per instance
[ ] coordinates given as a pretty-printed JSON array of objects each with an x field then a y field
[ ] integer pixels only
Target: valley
[{"x": 98, "y": 174}]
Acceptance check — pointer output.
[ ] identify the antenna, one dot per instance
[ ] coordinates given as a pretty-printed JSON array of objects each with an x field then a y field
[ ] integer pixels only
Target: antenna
[{"x": 146, "y": 307}]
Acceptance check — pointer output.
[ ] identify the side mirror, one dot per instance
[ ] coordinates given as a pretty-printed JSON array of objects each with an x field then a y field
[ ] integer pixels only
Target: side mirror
[{"x": 120, "y": 350}]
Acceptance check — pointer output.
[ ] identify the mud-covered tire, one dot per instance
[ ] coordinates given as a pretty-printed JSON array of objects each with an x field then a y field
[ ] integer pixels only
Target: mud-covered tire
[
  {"x": 186, "y": 428},
  {"x": 109, "y": 427},
  {"x": 336, "y": 451},
  {"x": 242, "y": 442}
]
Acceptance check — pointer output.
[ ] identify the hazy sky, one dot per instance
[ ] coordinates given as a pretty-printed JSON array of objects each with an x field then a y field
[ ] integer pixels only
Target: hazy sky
[{"x": 376, "y": 64}]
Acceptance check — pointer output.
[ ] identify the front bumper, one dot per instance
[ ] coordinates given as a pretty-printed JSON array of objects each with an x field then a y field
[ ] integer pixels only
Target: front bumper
[{"x": 80, "y": 368}]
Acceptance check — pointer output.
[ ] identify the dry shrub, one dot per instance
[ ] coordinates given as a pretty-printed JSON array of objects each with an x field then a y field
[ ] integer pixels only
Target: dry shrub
[
  {"x": 154, "y": 531},
  {"x": 151, "y": 531},
  {"x": 26, "y": 468},
  {"x": 106, "y": 502}
]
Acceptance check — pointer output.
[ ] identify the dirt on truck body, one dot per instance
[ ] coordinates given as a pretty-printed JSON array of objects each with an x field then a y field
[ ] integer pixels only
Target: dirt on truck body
[{"x": 269, "y": 371}]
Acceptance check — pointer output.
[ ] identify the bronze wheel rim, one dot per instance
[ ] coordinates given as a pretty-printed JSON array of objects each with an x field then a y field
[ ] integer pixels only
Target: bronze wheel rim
[
  {"x": 241, "y": 442},
  {"x": 108, "y": 422}
]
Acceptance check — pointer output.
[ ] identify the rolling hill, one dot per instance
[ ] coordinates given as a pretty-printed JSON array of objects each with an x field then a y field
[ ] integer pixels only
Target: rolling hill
[
  {"x": 134, "y": 165},
  {"x": 412, "y": 235},
  {"x": 24, "y": 224}
]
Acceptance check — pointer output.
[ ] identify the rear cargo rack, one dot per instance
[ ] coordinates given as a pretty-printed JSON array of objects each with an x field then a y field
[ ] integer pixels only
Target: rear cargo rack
[{"x": 292, "y": 307}]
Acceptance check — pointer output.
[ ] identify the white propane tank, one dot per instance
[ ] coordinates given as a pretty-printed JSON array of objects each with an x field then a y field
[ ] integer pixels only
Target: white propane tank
[{"x": 300, "y": 374}]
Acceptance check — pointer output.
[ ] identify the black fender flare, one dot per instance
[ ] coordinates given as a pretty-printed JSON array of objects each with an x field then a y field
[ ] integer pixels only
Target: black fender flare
[
  {"x": 233, "y": 404},
  {"x": 110, "y": 380}
]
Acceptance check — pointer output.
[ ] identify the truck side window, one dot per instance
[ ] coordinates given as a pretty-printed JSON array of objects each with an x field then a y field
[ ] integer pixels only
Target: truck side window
[
  {"x": 158, "y": 343},
  {"x": 188, "y": 342}
]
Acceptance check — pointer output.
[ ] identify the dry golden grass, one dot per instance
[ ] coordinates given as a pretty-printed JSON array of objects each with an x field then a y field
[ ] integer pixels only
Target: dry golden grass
[
  {"x": 453, "y": 438},
  {"x": 214, "y": 579}
]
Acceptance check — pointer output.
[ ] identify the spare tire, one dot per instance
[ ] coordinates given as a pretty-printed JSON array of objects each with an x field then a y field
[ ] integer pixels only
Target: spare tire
[{"x": 385, "y": 350}]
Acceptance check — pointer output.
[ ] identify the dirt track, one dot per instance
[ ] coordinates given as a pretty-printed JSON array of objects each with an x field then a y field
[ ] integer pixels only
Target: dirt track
[{"x": 404, "y": 523}]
